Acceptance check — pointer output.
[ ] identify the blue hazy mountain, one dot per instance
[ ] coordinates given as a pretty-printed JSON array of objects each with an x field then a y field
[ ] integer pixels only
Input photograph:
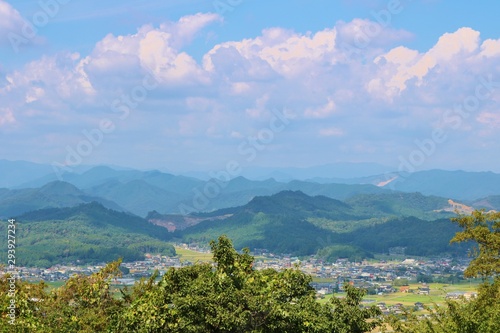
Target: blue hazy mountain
[
  {"x": 460, "y": 185},
  {"x": 56, "y": 194}
]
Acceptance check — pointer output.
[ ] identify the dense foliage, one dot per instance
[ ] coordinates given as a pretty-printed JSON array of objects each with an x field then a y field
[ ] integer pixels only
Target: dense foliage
[
  {"x": 295, "y": 223},
  {"x": 483, "y": 229},
  {"x": 288, "y": 222},
  {"x": 334, "y": 252},
  {"x": 87, "y": 233},
  {"x": 479, "y": 314},
  {"x": 231, "y": 296},
  {"x": 228, "y": 297}
]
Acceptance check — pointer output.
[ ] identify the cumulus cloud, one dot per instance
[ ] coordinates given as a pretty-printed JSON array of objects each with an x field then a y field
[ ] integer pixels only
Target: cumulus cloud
[
  {"x": 116, "y": 64},
  {"x": 490, "y": 48},
  {"x": 10, "y": 22},
  {"x": 381, "y": 89},
  {"x": 49, "y": 82},
  {"x": 276, "y": 52},
  {"x": 154, "y": 49},
  {"x": 454, "y": 53}
]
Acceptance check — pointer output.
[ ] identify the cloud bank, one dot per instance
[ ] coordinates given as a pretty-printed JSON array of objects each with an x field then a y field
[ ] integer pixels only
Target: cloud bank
[{"x": 365, "y": 103}]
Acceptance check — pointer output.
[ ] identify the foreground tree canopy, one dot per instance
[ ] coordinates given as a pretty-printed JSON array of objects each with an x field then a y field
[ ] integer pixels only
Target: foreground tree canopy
[
  {"x": 230, "y": 296},
  {"x": 480, "y": 314},
  {"x": 484, "y": 229}
]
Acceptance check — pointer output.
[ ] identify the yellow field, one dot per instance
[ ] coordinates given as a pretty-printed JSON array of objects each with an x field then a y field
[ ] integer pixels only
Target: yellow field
[
  {"x": 437, "y": 295},
  {"x": 192, "y": 256}
]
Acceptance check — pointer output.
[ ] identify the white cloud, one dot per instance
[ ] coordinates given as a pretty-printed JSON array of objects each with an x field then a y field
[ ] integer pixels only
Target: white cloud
[
  {"x": 10, "y": 21},
  {"x": 365, "y": 34},
  {"x": 49, "y": 81},
  {"x": 390, "y": 93},
  {"x": 490, "y": 119},
  {"x": 277, "y": 51},
  {"x": 490, "y": 48},
  {"x": 402, "y": 64},
  {"x": 6, "y": 116},
  {"x": 322, "y": 111},
  {"x": 156, "y": 50},
  {"x": 331, "y": 131},
  {"x": 116, "y": 64},
  {"x": 260, "y": 107},
  {"x": 183, "y": 31}
]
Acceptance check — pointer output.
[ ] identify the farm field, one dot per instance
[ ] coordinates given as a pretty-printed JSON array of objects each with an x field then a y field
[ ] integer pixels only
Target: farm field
[
  {"x": 437, "y": 294},
  {"x": 192, "y": 256}
]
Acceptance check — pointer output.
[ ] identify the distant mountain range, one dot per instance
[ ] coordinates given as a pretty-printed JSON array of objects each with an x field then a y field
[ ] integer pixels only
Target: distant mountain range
[
  {"x": 459, "y": 185},
  {"x": 102, "y": 213},
  {"x": 29, "y": 186},
  {"x": 289, "y": 222},
  {"x": 327, "y": 171},
  {"x": 52, "y": 195}
]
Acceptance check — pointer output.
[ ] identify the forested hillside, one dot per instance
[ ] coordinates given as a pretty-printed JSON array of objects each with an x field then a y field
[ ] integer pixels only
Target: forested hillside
[
  {"x": 232, "y": 296},
  {"x": 88, "y": 233},
  {"x": 295, "y": 223}
]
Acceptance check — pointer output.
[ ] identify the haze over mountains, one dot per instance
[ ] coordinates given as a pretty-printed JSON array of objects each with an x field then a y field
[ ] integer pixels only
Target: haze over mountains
[
  {"x": 25, "y": 186},
  {"x": 293, "y": 222},
  {"x": 336, "y": 217}
]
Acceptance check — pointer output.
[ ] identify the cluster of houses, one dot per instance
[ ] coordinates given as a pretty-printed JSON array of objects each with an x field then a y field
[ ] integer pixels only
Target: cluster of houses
[
  {"x": 132, "y": 270},
  {"x": 377, "y": 277}
]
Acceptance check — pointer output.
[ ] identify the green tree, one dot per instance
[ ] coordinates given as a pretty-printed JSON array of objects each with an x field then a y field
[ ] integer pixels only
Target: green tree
[
  {"x": 82, "y": 304},
  {"x": 479, "y": 314},
  {"x": 483, "y": 229},
  {"x": 226, "y": 296},
  {"x": 346, "y": 316},
  {"x": 233, "y": 297},
  {"x": 400, "y": 282}
]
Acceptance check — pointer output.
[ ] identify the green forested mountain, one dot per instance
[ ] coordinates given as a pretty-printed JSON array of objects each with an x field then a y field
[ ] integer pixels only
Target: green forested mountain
[
  {"x": 89, "y": 233},
  {"x": 400, "y": 204},
  {"x": 240, "y": 191},
  {"x": 52, "y": 195},
  {"x": 287, "y": 222},
  {"x": 293, "y": 222}
]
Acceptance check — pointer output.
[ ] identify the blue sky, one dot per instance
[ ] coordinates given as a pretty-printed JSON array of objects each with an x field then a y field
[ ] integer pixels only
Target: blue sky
[{"x": 194, "y": 85}]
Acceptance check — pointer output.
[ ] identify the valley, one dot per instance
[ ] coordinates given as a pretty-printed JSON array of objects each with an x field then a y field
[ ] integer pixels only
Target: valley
[{"x": 102, "y": 213}]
